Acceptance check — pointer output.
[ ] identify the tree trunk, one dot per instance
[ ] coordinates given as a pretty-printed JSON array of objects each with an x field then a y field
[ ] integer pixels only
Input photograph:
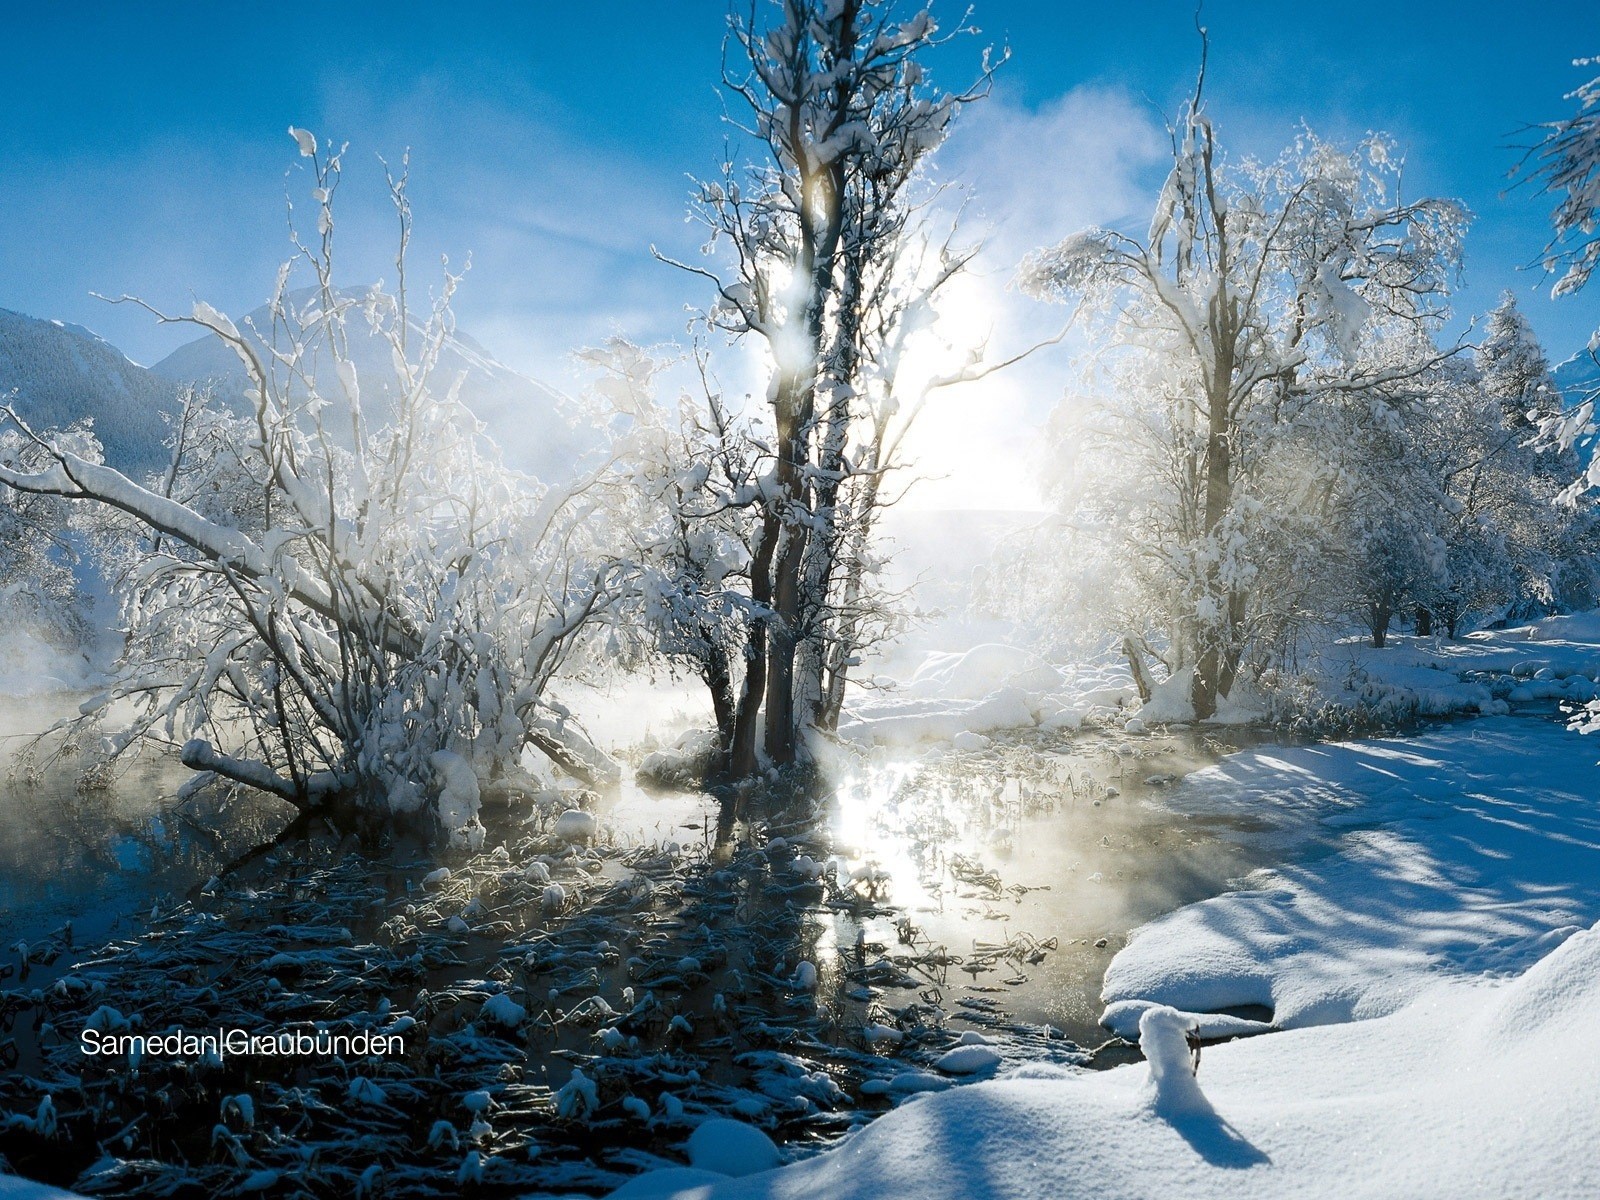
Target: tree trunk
[
  {"x": 781, "y": 642},
  {"x": 1141, "y": 676},
  {"x": 1424, "y": 621},
  {"x": 719, "y": 682},
  {"x": 1378, "y": 617},
  {"x": 742, "y": 758},
  {"x": 1208, "y": 671}
]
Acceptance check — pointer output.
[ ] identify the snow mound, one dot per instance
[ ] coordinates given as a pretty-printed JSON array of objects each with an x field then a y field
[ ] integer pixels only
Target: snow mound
[
  {"x": 731, "y": 1148},
  {"x": 576, "y": 825},
  {"x": 1486, "y": 1090},
  {"x": 1170, "y": 700},
  {"x": 1164, "y": 1042},
  {"x": 1451, "y": 853},
  {"x": 683, "y": 764},
  {"x": 980, "y": 671},
  {"x": 968, "y": 1060}
]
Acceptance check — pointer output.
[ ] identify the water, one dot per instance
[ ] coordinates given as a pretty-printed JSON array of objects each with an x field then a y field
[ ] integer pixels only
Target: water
[
  {"x": 1054, "y": 853},
  {"x": 969, "y": 893},
  {"x": 101, "y": 858},
  {"x": 1056, "y": 847}
]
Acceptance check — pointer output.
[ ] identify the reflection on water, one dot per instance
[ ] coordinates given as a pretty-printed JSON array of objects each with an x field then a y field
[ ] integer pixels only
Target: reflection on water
[
  {"x": 101, "y": 858},
  {"x": 1020, "y": 871}
]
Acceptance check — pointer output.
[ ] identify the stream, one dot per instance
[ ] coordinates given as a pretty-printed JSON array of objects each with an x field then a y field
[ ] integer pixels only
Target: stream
[{"x": 801, "y": 963}]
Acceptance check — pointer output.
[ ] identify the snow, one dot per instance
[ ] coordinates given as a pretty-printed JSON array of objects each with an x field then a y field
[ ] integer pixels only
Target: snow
[
  {"x": 968, "y": 1060},
  {"x": 575, "y": 825},
  {"x": 1173, "y": 1088},
  {"x": 1170, "y": 700},
  {"x": 14, "y": 1188},
  {"x": 500, "y": 1009},
  {"x": 963, "y": 698},
  {"x": 1488, "y": 1090},
  {"x": 1469, "y": 849},
  {"x": 458, "y": 798},
  {"x": 731, "y": 1148},
  {"x": 976, "y": 673},
  {"x": 1427, "y": 672},
  {"x": 668, "y": 1181}
]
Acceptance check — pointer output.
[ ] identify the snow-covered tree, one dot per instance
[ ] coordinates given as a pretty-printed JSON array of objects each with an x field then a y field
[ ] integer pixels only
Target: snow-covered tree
[
  {"x": 39, "y": 593},
  {"x": 1566, "y": 164},
  {"x": 343, "y": 596},
  {"x": 1388, "y": 508},
  {"x": 1553, "y": 544},
  {"x": 807, "y": 246},
  {"x": 812, "y": 252},
  {"x": 1253, "y": 297},
  {"x": 691, "y": 471}
]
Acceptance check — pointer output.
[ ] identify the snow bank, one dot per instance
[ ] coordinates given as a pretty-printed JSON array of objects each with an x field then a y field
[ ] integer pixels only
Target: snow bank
[
  {"x": 1488, "y": 1090},
  {"x": 13, "y": 1187},
  {"x": 1557, "y": 657},
  {"x": 981, "y": 670},
  {"x": 987, "y": 689},
  {"x": 1472, "y": 849}
]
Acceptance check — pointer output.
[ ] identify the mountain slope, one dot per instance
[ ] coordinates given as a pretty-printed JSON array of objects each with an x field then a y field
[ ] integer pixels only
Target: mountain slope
[
  {"x": 532, "y": 422},
  {"x": 64, "y": 373},
  {"x": 1578, "y": 377}
]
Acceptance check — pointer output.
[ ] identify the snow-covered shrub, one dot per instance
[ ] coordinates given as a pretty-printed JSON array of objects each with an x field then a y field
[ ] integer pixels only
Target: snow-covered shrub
[{"x": 344, "y": 593}]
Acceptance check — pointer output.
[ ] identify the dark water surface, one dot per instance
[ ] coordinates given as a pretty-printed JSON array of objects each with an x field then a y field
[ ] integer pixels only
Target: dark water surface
[{"x": 799, "y": 963}]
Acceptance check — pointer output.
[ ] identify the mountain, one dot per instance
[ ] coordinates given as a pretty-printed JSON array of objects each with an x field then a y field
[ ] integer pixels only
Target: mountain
[
  {"x": 533, "y": 423},
  {"x": 1578, "y": 377},
  {"x": 64, "y": 373}
]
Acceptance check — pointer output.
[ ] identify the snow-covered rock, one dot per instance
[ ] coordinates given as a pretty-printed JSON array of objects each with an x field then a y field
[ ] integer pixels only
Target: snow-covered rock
[
  {"x": 576, "y": 826},
  {"x": 968, "y": 1060},
  {"x": 731, "y": 1148},
  {"x": 1476, "y": 1088},
  {"x": 501, "y": 1010}
]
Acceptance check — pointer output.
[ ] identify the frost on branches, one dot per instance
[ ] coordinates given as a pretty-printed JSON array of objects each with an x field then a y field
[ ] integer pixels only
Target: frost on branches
[
  {"x": 1566, "y": 163},
  {"x": 39, "y": 595},
  {"x": 822, "y": 250},
  {"x": 1267, "y": 303},
  {"x": 342, "y": 596}
]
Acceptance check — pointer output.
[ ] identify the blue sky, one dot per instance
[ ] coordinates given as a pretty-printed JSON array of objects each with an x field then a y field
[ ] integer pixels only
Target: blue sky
[{"x": 143, "y": 147}]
